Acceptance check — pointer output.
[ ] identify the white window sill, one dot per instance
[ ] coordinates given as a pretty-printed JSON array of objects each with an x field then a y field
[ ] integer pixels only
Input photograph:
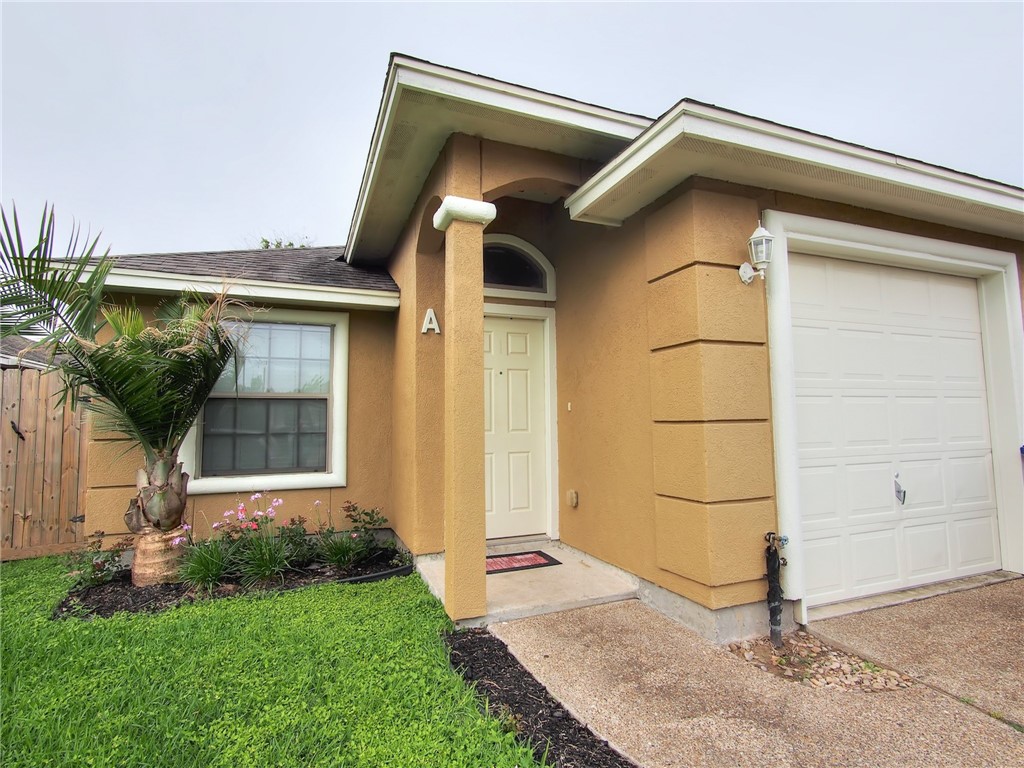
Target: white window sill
[{"x": 253, "y": 483}]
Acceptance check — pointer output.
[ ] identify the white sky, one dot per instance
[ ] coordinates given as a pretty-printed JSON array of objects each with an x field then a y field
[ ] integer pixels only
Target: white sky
[{"x": 201, "y": 126}]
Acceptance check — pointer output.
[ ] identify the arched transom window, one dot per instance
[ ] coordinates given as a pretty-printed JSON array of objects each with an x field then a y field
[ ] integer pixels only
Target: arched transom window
[{"x": 515, "y": 269}]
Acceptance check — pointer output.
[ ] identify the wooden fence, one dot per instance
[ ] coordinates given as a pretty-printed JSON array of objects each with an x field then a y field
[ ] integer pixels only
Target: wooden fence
[{"x": 43, "y": 483}]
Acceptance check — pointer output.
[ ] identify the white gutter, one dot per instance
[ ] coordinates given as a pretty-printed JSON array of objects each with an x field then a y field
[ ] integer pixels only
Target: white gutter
[{"x": 253, "y": 290}]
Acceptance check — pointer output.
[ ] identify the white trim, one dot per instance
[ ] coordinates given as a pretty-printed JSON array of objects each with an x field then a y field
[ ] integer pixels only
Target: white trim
[
  {"x": 338, "y": 415},
  {"x": 13, "y": 361},
  {"x": 410, "y": 74},
  {"x": 531, "y": 251},
  {"x": 1002, "y": 339},
  {"x": 463, "y": 209},
  {"x": 252, "y": 290},
  {"x": 547, "y": 315},
  {"x": 816, "y": 152}
]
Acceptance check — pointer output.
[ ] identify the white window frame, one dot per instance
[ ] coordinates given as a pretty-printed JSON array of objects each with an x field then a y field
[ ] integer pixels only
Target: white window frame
[
  {"x": 1002, "y": 340},
  {"x": 531, "y": 252},
  {"x": 337, "y": 421}
]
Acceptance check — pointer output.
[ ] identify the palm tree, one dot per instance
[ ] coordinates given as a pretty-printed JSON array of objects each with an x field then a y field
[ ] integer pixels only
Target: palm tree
[{"x": 148, "y": 382}]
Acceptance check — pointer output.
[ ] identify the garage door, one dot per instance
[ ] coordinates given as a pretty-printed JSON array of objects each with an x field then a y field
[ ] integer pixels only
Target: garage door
[{"x": 896, "y": 485}]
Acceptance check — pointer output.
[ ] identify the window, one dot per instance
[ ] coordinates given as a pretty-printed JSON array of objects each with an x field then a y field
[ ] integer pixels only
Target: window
[
  {"x": 270, "y": 415},
  {"x": 515, "y": 269},
  {"x": 279, "y": 420},
  {"x": 506, "y": 267}
]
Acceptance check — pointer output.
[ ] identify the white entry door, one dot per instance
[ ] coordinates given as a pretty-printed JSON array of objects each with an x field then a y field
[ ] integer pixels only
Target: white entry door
[
  {"x": 896, "y": 484},
  {"x": 515, "y": 427}
]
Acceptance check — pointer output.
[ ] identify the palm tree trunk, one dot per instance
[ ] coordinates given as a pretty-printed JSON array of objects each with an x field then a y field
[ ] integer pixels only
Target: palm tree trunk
[{"x": 154, "y": 514}]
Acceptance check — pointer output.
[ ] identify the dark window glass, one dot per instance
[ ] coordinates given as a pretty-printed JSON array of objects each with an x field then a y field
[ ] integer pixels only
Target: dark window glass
[
  {"x": 506, "y": 267},
  {"x": 254, "y": 436}
]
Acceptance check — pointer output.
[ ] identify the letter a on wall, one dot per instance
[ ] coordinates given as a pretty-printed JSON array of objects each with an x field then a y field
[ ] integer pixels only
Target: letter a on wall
[{"x": 430, "y": 322}]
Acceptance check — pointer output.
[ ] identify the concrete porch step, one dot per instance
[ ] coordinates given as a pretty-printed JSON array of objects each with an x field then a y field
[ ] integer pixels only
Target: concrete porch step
[{"x": 578, "y": 581}]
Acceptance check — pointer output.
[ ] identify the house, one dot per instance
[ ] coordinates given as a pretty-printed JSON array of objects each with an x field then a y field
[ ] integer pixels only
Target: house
[{"x": 539, "y": 326}]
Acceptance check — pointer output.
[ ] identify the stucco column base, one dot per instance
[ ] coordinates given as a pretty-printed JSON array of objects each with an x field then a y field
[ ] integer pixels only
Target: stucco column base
[{"x": 465, "y": 591}]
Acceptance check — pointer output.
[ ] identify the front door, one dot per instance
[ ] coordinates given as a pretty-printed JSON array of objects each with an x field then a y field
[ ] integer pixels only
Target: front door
[{"x": 515, "y": 427}]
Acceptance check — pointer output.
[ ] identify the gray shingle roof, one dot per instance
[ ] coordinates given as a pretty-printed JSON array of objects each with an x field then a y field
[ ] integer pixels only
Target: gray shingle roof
[
  {"x": 15, "y": 346},
  {"x": 305, "y": 266}
]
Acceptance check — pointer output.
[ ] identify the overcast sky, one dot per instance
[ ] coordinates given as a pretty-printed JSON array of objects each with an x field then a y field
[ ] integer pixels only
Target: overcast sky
[{"x": 202, "y": 126}]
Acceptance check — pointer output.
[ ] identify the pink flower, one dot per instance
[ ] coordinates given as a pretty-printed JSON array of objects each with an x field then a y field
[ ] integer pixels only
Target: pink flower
[
  {"x": 177, "y": 540},
  {"x": 355, "y": 535},
  {"x": 256, "y": 496},
  {"x": 241, "y": 506},
  {"x": 258, "y": 513},
  {"x": 254, "y": 526},
  {"x": 215, "y": 526},
  {"x": 186, "y": 527},
  {"x": 317, "y": 503},
  {"x": 241, "y": 515},
  {"x": 271, "y": 512},
  {"x": 229, "y": 513},
  {"x": 277, "y": 502}
]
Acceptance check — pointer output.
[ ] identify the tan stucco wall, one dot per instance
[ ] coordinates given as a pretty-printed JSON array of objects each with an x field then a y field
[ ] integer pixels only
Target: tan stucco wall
[
  {"x": 661, "y": 352},
  {"x": 417, "y": 382},
  {"x": 112, "y": 462}
]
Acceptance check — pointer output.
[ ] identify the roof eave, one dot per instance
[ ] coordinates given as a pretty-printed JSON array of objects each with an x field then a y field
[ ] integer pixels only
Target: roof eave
[
  {"x": 257, "y": 291},
  {"x": 601, "y": 199},
  {"x": 409, "y": 74}
]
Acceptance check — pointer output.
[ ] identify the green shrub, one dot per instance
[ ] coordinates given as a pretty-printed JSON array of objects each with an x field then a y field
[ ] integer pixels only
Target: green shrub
[
  {"x": 92, "y": 565},
  {"x": 301, "y": 550},
  {"x": 205, "y": 563}
]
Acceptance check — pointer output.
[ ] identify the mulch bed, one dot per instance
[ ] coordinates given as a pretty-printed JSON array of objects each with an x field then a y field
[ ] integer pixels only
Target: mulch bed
[
  {"x": 104, "y": 600},
  {"x": 516, "y": 696}
]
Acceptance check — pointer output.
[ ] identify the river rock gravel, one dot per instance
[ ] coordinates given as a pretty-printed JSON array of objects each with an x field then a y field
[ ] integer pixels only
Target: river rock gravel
[{"x": 807, "y": 659}]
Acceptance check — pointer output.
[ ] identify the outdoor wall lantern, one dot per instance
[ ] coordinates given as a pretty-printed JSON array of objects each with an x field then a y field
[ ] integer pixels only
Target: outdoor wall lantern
[{"x": 760, "y": 247}]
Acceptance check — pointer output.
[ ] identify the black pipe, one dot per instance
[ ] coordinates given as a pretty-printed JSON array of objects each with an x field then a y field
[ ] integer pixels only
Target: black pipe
[{"x": 773, "y": 561}]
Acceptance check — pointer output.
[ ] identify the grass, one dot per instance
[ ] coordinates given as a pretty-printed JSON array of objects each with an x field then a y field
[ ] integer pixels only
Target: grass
[{"x": 336, "y": 675}]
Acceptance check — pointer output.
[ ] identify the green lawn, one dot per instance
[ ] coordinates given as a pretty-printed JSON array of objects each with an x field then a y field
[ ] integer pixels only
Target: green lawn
[{"x": 352, "y": 675}]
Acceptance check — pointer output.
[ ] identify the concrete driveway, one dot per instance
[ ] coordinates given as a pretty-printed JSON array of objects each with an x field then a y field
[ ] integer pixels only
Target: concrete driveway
[
  {"x": 967, "y": 644},
  {"x": 665, "y": 696}
]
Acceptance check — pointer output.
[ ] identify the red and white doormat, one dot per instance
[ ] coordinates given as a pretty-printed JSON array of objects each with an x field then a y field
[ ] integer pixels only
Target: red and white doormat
[{"x": 520, "y": 561}]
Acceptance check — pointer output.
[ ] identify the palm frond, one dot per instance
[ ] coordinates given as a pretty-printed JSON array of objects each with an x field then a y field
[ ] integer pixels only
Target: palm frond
[
  {"x": 55, "y": 298},
  {"x": 151, "y": 384}
]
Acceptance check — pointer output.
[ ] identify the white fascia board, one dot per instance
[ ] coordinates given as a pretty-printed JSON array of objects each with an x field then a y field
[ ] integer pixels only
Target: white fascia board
[
  {"x": 660, "y": 135},
  {"x": 748, "y": 133},
  {"x": 421, "y": 76},
  {"x": 380, "y": 129},
  {"x": 253, "y": 290},
  {"x": 506, "y": 97}
]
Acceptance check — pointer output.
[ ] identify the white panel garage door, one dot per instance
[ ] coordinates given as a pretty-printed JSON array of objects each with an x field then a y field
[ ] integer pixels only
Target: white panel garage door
[{"x": 890, "y": 384}]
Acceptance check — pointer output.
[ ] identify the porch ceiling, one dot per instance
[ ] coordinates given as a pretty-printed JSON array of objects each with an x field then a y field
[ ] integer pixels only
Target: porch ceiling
[{"x": 423, "y": 104}]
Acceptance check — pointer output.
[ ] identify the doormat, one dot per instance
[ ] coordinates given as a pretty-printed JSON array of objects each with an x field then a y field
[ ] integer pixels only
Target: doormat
[{"x": 520, "y": 561}]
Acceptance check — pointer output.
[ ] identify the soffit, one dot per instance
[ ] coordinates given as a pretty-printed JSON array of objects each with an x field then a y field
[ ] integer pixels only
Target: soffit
[
  {"x": 424, "y": 104},
  {"x": 700, "y": 140}
]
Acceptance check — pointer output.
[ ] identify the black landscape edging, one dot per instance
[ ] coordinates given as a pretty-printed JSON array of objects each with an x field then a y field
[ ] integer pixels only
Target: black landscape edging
[
  {"x": 540, "y": 720},
  {"x": 402, "y": 570}
]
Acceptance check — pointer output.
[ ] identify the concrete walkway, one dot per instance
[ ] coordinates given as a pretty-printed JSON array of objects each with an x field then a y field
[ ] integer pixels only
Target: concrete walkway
[
  {"x": 665, "y": 696},
  {"x": 578, "y": 580},
  {"x": 967, "y": 644}
]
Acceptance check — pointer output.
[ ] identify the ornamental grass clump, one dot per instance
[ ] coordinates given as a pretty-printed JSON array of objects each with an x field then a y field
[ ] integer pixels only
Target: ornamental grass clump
[{"x": 205, "y": 563}]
